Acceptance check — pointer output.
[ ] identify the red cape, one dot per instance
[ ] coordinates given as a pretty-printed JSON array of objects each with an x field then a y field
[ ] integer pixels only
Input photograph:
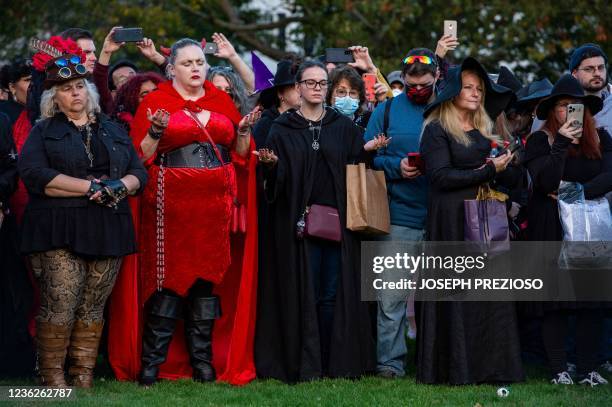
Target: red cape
[{"x": 234, "y": 331}]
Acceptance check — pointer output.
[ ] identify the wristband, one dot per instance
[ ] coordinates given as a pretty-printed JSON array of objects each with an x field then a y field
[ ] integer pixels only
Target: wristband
[{"x": 155, "y": 135}]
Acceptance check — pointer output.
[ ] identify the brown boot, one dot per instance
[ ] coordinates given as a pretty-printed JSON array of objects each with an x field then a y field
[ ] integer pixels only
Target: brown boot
[
  {"x": 52, "y": 341},
  {"x": 83, "y": 352}
]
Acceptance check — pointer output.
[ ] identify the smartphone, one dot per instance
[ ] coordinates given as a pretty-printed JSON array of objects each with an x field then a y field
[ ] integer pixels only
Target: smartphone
[
  {"x": 575, "y": 115},
  {"x": 450, "y": 28},
  {"x": 512, "y": 147},
  {"x": 370, "y": 81},
  {"x": 415, "y": 160},
  {"x": 128, "y": 35},
  {"x": 339, "y": 55},
  {"x": 211, "y": 48}
]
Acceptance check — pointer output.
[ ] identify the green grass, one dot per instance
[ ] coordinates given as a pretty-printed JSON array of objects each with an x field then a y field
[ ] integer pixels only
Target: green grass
[{"x": 365, "y": 392}]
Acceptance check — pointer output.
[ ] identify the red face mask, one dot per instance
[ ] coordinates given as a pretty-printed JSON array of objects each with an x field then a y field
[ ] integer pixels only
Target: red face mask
[{"x": 419, "y": 96}]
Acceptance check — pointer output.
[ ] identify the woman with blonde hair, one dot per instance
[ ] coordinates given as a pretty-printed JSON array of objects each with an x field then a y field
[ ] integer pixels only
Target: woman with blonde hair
[{"x": 463, "y": 342}]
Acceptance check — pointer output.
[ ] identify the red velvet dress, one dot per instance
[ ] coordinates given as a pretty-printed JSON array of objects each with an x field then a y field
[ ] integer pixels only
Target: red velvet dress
[{"x": 197, "y": 242}]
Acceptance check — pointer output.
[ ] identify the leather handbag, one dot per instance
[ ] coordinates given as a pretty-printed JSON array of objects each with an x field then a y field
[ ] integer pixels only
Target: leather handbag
[
  {"x": 322, "y": 222},
  {"x": 238, "y": 217},
  {"x": 486, "y": 220}
]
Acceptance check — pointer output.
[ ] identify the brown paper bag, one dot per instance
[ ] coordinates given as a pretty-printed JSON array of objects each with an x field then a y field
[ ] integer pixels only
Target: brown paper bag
[{"x": 366, "y": 200}]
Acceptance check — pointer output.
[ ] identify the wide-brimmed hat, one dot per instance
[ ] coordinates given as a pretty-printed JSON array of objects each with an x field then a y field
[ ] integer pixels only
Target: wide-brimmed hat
[
  {"x": 282, "y": 77},
  {"x": 534, "y": 91},
  {"x": 568, "y": 87},
  {"x": 62, "y": 69},
  {"x": 497, "y": 97},
  {"x": 508, "y": 80}
]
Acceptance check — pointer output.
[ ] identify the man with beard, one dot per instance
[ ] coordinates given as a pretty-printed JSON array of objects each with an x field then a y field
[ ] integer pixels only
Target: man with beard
[{"x": 588, "y": 64}]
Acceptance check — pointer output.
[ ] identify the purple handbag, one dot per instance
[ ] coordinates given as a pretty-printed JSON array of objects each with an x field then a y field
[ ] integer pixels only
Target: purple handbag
[
  {"x": 323, "y": 222},
  {"x": 486, "y": 221}
]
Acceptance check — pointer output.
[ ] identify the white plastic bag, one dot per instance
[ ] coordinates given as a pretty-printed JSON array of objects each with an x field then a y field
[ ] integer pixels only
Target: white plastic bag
[{"x": 587, "y": 229}]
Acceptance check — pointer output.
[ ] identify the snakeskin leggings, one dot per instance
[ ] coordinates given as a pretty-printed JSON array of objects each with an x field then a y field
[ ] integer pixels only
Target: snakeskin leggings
[{"x": 72, "y": 288}]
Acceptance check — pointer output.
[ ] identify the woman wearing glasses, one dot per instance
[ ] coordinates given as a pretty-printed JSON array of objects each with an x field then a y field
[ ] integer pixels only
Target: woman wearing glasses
[
  {"x": 78, "y": 167},
  {"x": 346, "y": 93},
  {"x": 311, "y": 322}
]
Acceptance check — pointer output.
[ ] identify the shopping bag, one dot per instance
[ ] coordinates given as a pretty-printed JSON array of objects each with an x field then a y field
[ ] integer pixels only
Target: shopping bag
[{"x": 366, "y": 200}]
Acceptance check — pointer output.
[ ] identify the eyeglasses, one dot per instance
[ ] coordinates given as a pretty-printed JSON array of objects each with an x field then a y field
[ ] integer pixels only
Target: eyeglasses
[
  {"x": 593, "y": 69},
  {"x": 312, "y": 84},
  {"x": 65, "y": 71},
  {"x": 342, "y": 92},
  {"x": 424, "y": 59}
]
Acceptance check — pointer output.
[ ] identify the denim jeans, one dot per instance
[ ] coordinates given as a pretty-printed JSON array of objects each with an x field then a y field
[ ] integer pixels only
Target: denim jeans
[
  {"x": 324, "y": 262},
  {"x": 391, "y": 320}
]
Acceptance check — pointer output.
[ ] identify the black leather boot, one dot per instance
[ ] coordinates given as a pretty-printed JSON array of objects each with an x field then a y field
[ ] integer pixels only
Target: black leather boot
[
  {"x": 159, "y": 326},
  {"x": 201, "y": 316}
]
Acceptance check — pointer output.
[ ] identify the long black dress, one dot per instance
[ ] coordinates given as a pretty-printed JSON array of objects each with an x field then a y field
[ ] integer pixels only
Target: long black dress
[
  {"x": 461, "y": 342},
  {"x": 16, "y": 348},
  {"x": 287, "y": 336}
]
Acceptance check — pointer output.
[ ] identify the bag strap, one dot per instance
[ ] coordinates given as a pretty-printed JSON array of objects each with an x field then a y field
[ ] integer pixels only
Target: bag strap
[
  {"x": 386, "y": 115},
  {"x": 196, "y": 119}
]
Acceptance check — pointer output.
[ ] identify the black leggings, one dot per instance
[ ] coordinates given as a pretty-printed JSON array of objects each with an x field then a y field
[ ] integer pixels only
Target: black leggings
[{"x": 589, "y": 324}]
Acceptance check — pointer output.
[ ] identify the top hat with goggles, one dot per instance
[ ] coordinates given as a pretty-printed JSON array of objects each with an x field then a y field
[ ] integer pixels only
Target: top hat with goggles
[{"x": 64, "y": 68}]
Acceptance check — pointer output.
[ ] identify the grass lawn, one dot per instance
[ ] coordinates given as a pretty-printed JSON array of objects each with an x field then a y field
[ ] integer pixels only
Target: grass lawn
[{"x": 365, "y": 392}]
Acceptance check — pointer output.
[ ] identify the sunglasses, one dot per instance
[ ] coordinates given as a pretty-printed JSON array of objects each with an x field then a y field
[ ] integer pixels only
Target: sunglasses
[
  {"x": 424, "y": 59},
  {"x": 65, "y": 71}
]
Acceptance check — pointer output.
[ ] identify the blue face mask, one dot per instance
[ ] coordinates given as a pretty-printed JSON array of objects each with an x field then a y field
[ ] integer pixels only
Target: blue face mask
[{"x": 346, "y": 105}]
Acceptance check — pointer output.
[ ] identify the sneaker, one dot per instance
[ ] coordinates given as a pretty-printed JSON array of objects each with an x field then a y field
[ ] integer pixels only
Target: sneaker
[
  {"x": 593, "y": 379},
  {"x": 607, "y": 367},
  {"x": 387, "y": 374},
  {"x": 562, "y": 378}
]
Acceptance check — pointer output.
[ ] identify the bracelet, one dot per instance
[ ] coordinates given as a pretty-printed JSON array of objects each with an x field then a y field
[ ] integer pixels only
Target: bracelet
[
  {"x": 155, "y": 135},
  {"x": 244, "y": 133}
]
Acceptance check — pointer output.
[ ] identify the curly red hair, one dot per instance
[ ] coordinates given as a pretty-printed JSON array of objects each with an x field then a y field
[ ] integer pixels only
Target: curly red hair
[{"x": 128, "y": 94}]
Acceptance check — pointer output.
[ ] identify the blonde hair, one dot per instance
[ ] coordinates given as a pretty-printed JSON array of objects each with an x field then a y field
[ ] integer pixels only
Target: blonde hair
[
  {"x": 49, "y": 108},
  {"x": 447, "y": 115}
]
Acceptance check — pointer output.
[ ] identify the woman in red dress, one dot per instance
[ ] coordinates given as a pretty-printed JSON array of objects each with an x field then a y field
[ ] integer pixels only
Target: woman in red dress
[{"x": 202, "y": 174}]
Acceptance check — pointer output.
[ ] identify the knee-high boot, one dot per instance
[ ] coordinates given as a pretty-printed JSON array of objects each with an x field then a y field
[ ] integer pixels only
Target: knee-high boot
[
  {"x": 199, "y": 323},
  {"x": 158, "y": 330},
  {"x": 83, "y": 352},
  {"x": 52, "y": 343}
]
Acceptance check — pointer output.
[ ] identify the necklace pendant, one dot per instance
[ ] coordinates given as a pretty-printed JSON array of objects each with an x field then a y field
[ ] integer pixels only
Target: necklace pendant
[{"x": 315, "y": 145}]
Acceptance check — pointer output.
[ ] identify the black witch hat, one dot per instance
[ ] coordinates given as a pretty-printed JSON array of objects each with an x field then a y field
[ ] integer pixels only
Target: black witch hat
[
  {"x": 534, "y": 91},
  {"x": 568, "y": 87},
  {"x": 283, "y": 77},
  {"x": 497, "y": 97}
]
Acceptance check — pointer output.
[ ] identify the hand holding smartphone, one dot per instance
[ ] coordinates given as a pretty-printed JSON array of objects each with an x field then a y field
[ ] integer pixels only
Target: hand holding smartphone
[{"x": 415, "y": 160}]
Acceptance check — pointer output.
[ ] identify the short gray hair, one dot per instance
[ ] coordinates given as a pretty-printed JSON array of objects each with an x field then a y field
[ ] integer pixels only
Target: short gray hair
[{"x": 49, "y": 108}]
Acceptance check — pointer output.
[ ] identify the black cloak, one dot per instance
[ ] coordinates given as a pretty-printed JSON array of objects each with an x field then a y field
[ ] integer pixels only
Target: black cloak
[{"x": 287, "y": 336}]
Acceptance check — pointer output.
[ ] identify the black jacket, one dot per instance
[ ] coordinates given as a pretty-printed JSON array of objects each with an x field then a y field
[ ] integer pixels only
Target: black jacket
[
  {"x": 8, "y": 161},
  {"x": 55, "y": 147}
]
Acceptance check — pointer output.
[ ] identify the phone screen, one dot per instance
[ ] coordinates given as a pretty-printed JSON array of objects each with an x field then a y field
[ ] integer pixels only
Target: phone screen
[{"x": 211, "y": 48}]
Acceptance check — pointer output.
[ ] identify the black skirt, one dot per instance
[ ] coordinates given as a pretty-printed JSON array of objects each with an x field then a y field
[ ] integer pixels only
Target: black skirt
[{"x": 93, "y": 230}]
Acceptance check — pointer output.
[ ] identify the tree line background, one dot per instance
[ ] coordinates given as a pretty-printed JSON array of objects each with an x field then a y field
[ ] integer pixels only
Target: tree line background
[{"x": 534, "y": 38}]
